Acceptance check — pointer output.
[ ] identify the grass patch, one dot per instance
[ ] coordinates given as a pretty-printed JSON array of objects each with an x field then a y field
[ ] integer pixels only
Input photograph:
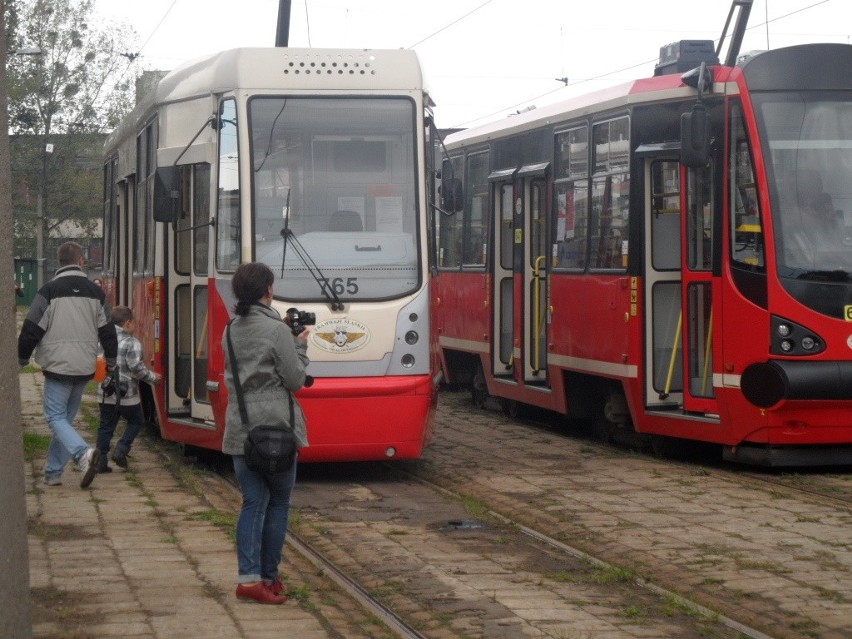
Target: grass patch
[
  {"x": 34, "y": 444},
  {"x": 223, "y": 520}
]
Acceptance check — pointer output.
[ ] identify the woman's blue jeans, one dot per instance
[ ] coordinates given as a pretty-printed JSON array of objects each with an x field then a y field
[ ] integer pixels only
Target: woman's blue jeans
[{"x": 262, "y": 525}]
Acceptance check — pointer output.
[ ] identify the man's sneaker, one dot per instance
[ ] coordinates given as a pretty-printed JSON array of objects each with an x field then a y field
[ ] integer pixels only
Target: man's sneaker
[
  {"x": 53, "y": 481},
  {"x": 89, "y": 465},
  {"x": 119, "y": 457}
]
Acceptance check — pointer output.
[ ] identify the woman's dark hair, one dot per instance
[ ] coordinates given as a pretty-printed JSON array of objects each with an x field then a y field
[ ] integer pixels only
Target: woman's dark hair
[{"x": 250, "y": 282}]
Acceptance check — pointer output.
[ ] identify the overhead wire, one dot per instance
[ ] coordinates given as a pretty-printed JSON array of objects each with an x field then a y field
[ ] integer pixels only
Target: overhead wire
[{"x": 609, "y": 73}]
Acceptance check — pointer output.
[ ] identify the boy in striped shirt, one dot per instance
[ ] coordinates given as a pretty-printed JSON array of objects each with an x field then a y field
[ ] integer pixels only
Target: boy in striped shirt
[{"x": 119, "y": 396}]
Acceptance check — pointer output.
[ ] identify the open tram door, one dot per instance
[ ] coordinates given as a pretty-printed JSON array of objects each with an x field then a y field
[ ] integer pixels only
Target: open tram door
[
  {"x": 679, "y": 284},
  {"x": 186, "y": 265}
]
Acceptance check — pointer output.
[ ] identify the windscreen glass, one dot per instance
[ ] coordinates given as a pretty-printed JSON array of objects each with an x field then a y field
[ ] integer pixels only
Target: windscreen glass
[{"x": 335, "y": 198}]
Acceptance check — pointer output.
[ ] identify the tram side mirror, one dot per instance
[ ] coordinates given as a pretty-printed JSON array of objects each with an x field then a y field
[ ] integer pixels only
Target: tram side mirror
[
  {"x": 695, "y": 137},
  {"x": 167, "y": 194},
  {"x": 452, "y": 195}
]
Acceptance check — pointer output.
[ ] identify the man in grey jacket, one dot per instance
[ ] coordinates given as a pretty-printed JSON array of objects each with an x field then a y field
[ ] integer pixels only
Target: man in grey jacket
[{"x": 66, "y": 320}]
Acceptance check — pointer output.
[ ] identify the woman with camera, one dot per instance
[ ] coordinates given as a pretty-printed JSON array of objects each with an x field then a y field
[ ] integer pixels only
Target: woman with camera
[{"x": 264, "y": 365}]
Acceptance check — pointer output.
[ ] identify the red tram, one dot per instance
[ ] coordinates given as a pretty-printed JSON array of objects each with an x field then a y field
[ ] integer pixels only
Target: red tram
[{"x": 671, "y": 257}]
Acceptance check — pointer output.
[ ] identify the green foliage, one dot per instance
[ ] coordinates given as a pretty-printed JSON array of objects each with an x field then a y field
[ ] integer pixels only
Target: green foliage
[{"x": 69, "y": 96}]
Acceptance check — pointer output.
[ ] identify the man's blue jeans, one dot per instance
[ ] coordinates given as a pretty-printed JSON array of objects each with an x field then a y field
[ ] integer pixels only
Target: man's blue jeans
[
  {"x": 262, "y": 525},
  {"x": 61, "y": 403}
]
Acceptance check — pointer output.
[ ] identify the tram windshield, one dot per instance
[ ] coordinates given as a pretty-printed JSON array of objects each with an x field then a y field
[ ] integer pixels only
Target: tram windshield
[
  {"x": 338, "y": 174},
  {"x": 808, "y": 137}
]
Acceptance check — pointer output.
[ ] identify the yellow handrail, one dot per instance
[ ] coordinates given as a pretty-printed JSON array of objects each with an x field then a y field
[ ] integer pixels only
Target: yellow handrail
[
  {"x": 707, "y": 346},
  {"x": 675, "y": 347},
  {"x": 538, "y": 320}
]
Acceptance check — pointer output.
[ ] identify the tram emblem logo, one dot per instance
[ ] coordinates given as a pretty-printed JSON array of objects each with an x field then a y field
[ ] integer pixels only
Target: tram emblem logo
[{"x": 340, "y": 335}]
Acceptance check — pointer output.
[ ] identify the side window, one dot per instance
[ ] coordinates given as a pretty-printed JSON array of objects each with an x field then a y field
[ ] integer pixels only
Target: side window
[
  {"x": 475, "y": 210},
  {"x": 571, "y": 199},
  {"x": 228, "y": 224},
  {"x": 608, "y": 227},
  {"x": 450, "y": 226},
  {"x": 200, "y": 216},
  {"x": 192, "y": 237},
  {"x": 141, "y": 206},
  {"x": 699, "y": 221},
  {"x": 151, "y": 143},
  {"x": 746, "y": 230}
]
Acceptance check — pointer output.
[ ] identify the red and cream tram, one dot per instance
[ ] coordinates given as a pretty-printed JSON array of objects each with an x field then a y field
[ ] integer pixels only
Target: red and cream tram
[{"x": 312, "y": 161}]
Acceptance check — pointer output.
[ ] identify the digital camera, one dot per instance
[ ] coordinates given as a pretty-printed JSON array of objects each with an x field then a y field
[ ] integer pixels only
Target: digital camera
[
  {"x": 108, "y": 386},
  {"x": 297, "y": 320}
]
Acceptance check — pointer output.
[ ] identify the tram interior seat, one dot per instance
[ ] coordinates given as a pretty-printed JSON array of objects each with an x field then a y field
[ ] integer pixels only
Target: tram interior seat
[{"x": 345, "y": 221}]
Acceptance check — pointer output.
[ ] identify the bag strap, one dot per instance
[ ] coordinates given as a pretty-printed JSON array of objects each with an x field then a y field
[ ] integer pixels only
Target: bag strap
[{"x": 238, "y": 387}]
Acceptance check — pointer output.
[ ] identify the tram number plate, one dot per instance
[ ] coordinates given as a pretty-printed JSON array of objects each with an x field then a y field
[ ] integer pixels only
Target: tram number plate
[{"x": 847, "y": 312}]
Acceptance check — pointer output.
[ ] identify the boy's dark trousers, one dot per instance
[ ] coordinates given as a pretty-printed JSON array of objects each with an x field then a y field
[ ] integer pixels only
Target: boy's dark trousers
[{"x": 110, "y": 414}]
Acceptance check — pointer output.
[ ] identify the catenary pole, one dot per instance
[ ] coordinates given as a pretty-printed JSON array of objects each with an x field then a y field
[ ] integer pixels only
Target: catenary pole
[{"x": 282, "y": 34}]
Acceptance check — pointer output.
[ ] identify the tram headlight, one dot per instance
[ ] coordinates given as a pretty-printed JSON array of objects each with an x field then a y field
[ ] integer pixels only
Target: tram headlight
[
  {"x": 786, "y": 345},
  {"x": 808, "y": 343},
  {"x": 784, "y": 330},
  {"x": 407, "y": 360},
  {"x": 411, "y": 338}
]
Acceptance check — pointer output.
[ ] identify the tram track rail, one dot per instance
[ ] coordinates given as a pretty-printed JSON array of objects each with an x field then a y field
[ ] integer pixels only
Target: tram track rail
[
  {"x": 547, "y": 540},
  {"x": 346, "y": 583}
]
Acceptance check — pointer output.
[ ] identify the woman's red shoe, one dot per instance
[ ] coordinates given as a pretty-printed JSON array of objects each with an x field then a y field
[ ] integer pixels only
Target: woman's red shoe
[
  {"x": 279, "y": 588},
  {"x": 260, "y": 593}
]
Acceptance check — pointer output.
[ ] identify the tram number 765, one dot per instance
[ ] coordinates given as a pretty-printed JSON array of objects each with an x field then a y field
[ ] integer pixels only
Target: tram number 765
[{"x": 350, "y": 286}]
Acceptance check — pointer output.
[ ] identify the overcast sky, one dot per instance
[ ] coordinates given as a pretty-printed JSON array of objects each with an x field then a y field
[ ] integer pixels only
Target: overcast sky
[{"x": 483, "y": 59}]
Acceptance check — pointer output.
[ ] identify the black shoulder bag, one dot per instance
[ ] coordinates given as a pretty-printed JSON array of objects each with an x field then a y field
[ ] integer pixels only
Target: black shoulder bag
[{"x": 267, "y": 449}]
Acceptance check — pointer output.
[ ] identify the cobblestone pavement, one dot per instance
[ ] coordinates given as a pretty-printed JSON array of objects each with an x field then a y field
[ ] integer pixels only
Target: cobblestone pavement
[
  {"x": 137, "y": 556},
  {"x": 774, "y": 558}
]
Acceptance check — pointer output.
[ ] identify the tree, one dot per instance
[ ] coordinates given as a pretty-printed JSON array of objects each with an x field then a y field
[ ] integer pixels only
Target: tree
[
  {"x": 77, "y": 88},
  {"x": 15, "y": 620}
]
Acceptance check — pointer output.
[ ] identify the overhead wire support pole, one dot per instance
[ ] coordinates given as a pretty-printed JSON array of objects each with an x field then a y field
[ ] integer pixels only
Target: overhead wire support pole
[
  {"x": 282, "y": 33},
  {"x": 738, "y": 32}
]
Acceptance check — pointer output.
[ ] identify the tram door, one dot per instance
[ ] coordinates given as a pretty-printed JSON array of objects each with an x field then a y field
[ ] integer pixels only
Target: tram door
[
  {"x": 663, "y": 326},
  {"x": 679, "y": 287},
  {"x": 697, "y": 291},
  {"x": 533, "y": 266},
  {"x": 187, "y": 298},
  {"x": 507, "y": 208}
]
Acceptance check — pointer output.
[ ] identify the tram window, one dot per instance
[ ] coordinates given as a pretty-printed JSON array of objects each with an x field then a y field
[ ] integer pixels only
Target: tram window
[
  {"x": 140, "y": 206},
  {"x": 571, "y": 223},
  {"x": 571, "y": 199},
  {"x": 665, "y": 215},
  {"x": 200, "y": 217},
  {"x": 150, "y": 170},
  {"x": 506, "y": 199},
  {"x": 538, "y": 239},
  {"x": 182, "y": 246},
  {"x": 475, "y": 210},
  {"x": 746, "y": 230},
  {"x": 450, "y": 226},
  {"x": 572, "y": 153},
  {"x": 699, "y": 221},
  {"x": 228, "y": 225},
  {"x": 608, "y": 224}
]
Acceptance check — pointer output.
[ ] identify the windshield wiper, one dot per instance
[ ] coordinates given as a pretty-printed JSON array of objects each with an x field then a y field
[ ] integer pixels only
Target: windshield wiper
[{"x": 289, "y": 237}]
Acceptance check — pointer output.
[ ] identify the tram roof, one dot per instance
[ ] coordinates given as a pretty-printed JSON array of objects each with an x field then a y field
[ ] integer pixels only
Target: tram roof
[
  {"x": 290, "y": 68},
  {"x": 280, "y": 69},
  {"x": 619, "y": 96}
]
